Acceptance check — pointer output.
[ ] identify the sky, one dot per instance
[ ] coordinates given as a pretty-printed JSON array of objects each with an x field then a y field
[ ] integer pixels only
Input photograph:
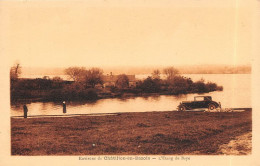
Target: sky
[{"x": 127, "y": 33}]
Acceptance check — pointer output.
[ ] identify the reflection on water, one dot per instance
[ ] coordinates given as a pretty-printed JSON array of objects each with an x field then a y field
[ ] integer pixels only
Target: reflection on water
[
  {"x": 236, "y": 93},
  {"x": 137, "y": 104}
]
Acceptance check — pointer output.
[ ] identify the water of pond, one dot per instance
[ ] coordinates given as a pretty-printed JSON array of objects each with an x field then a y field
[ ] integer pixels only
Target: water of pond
[{"x": 236, "y": 94}]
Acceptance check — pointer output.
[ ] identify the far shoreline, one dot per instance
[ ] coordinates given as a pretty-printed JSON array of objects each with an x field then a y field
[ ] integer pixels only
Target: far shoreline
[{"x": 121, "y": 96}]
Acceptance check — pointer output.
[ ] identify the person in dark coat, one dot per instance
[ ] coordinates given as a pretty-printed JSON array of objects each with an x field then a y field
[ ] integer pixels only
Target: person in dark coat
[{"x": 25, "y": 110}]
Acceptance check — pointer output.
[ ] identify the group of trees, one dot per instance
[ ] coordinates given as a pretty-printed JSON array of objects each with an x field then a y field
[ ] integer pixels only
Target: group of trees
[
  {"x": 88, "y": 78},
  {"x": 93, "y": 77},
  {"x": 174, "y": 83}
]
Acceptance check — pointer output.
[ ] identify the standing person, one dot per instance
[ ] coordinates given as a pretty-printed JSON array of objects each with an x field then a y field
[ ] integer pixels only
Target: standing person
[
  {"x": 25, "y": 110},
  {"x": 64, "y": 107}
]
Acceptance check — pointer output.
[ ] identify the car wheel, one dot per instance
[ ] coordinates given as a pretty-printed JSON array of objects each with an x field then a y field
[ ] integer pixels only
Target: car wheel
[
  {"x": 182, "y": 108},
  {"x": 212, "y": 107}
]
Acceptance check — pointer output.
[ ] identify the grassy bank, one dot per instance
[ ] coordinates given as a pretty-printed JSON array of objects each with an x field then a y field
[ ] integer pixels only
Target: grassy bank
[{"x": 129, "y": 133}]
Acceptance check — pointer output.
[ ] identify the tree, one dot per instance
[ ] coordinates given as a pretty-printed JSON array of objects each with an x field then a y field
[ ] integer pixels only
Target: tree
[
  {"x": 76, "y": 73},
  {"x": 94, "y": 77},
  {"x": 170, "y": 72},
  {"x": 122, "y": 81},
  {"x": 150, "y": 85},
  {"x": 15, "y": 71},
  {"x": 156, "y": 74}
]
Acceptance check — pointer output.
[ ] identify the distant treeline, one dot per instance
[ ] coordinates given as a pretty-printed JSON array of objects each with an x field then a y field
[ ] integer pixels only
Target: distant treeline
[
  {"x": 89, "y": 85},
  {"x": 191, "y": 69},
  {"x": 216, "y": 69}
]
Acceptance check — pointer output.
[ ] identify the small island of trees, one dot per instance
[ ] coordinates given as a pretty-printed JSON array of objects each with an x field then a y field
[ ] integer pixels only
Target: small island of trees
[{"x": 92, "y": 84}]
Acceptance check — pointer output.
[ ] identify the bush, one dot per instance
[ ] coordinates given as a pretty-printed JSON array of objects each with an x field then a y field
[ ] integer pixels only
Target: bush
[
  {"x": 211, "y": 86},
  {"x": 56, "y": 95},
  {"x": 78, "y": 92},
  {"x": 180, "y": 85},
  {"x": 219, "y": 88},
  {"x": 199, "y": 87},
  {"x": 150, "y": 85},
  {"x": 91, "y": 94}
]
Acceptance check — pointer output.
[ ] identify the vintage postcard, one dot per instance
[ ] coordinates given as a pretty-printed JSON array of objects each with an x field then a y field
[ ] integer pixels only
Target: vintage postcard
[{"x": 141, "y": 82}]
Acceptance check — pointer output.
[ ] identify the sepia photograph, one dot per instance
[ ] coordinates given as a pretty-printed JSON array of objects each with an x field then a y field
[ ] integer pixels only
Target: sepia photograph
[{"x": 129, "y": 80}]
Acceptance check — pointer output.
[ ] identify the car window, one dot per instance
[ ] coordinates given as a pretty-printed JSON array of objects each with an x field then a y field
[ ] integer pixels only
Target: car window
[
  {"x": 199, "y": 98},
  {"x": 208, "y": 98}
]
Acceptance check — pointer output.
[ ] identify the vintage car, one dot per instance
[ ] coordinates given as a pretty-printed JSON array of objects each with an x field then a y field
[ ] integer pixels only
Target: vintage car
[{"x": 199, "y": 102}]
